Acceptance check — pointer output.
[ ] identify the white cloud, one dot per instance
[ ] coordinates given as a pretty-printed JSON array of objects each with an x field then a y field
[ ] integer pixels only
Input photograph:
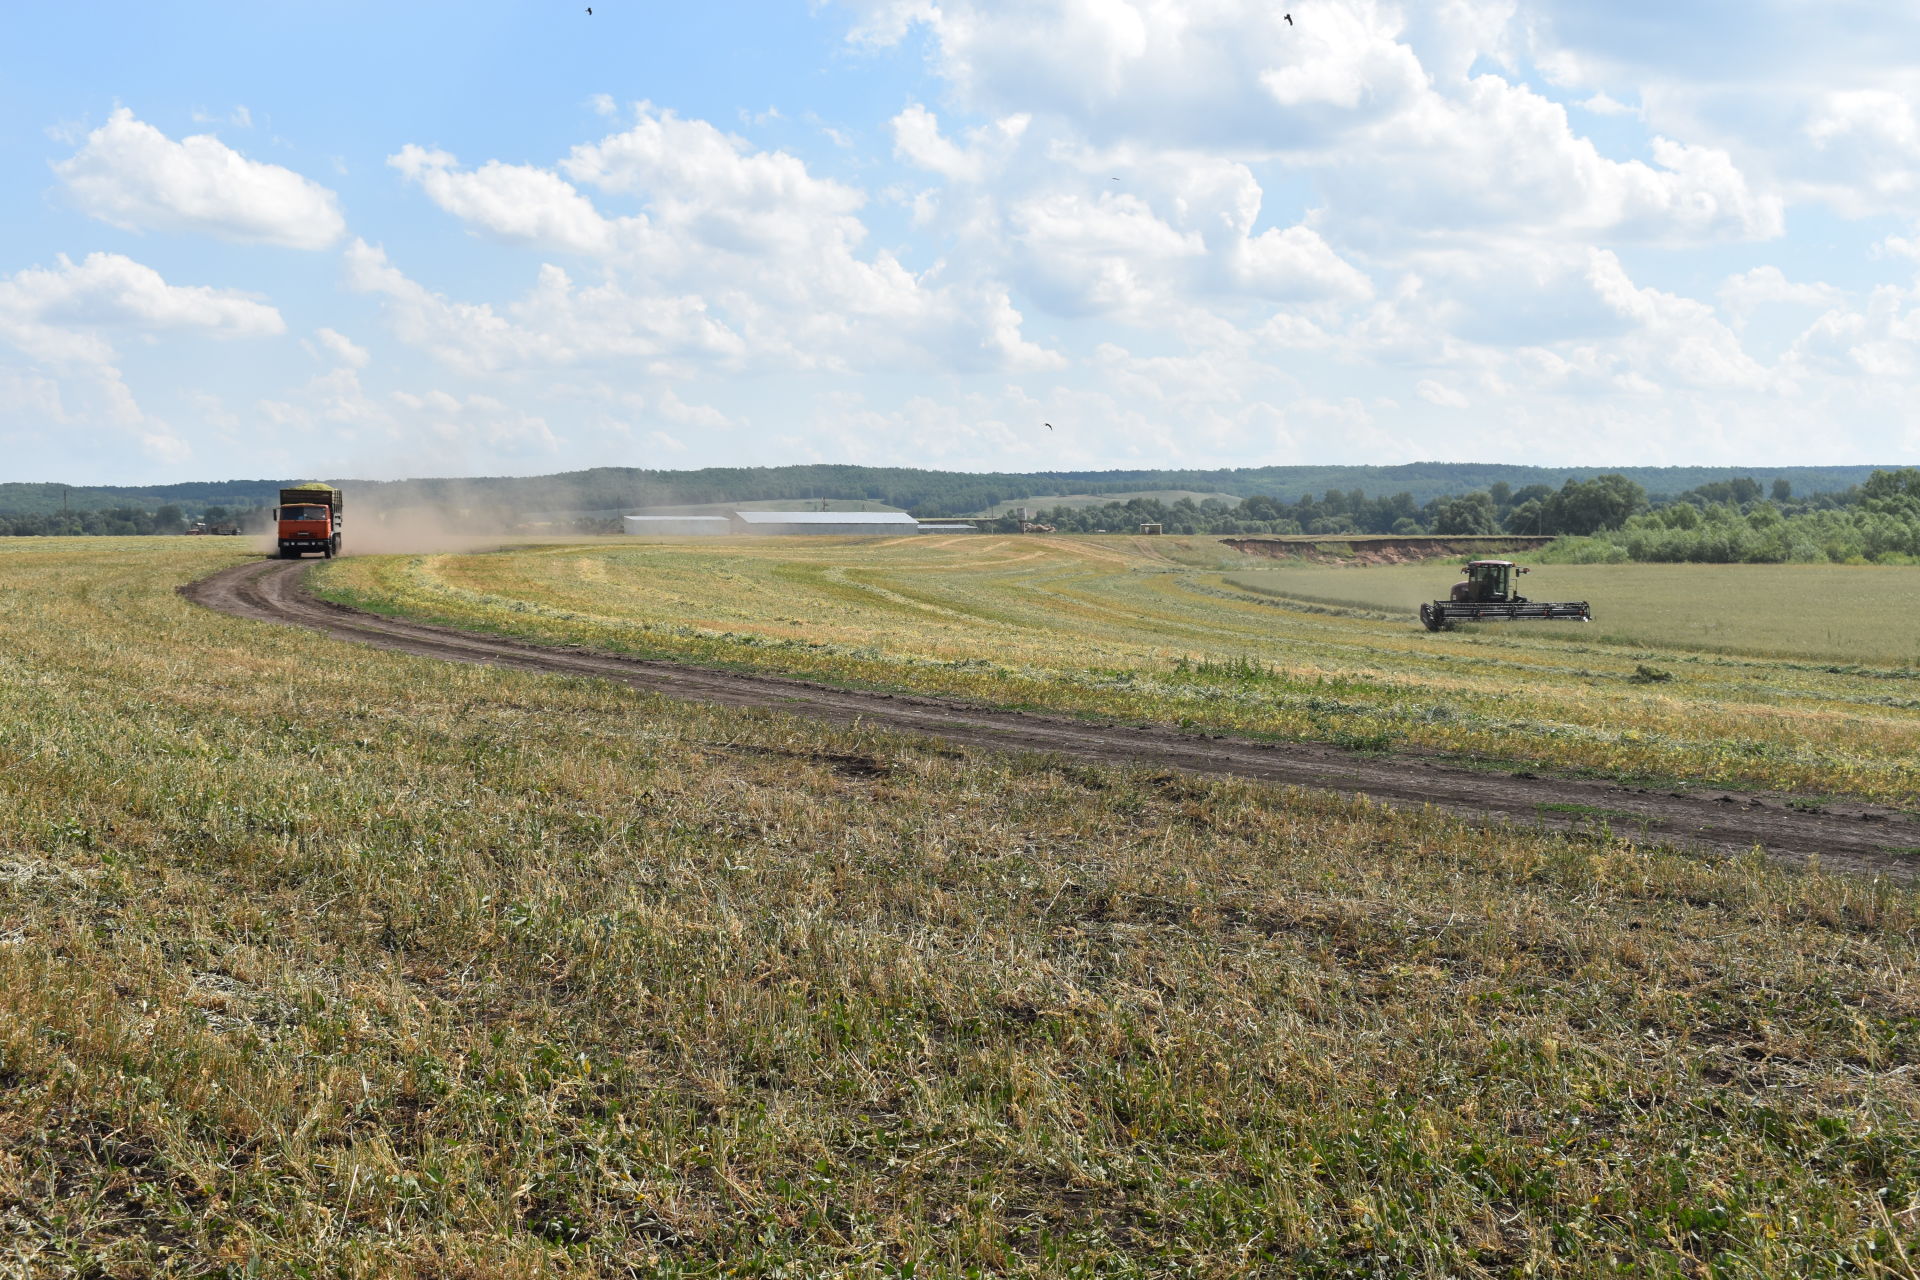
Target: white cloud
[
  {"x": 1899, "y": 247},
  {"x": 131, "y": 175},
  {"x": 239, "y": 117},
  {"x": 1500, "y": 159},
  {"x": 59, "y": 314},
  {"x": 1604, "y": 104},
  {"x": 1879, "y": 341},
  {"x": 511, "y": 202},
  {"x": 1677, "y": 337},
  {"x": 343, "y": 349},
  {"x": 735, "y": 254},
  {"x": 1050, "y": 214},
  {"x": 1437, "y": 393},
  {"x": 717, "y": 190},
  {"x": 63, "y": 321},
  {"x": 1376, "y": 100},
  {"x": 556, "y": 324},
  {"x": 1742, "y": 293}
]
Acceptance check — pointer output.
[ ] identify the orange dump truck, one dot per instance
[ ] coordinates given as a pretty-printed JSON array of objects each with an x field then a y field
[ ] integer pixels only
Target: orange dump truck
[{"x": 309, "y": 520}]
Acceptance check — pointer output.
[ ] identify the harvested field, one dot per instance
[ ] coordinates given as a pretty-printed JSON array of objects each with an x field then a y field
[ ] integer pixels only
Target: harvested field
[
  {"x": 1158, "y": 630},
  {"x": 317, "y": 959},
  {"x": 1836, "y": 614},
  {"x": 1852, "y": 837}
]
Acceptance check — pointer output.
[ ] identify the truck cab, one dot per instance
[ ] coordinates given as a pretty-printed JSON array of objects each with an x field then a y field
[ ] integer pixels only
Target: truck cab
[{"x": 307, "y": 519}]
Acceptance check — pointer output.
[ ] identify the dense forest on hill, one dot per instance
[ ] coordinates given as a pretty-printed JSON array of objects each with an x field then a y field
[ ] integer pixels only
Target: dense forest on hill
[{"x": 607, "y": 491}]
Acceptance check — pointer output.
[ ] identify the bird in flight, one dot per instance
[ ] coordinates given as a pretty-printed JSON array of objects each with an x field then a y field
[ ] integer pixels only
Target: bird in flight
[
  {"x": 589, "y": 12},
  {"x": 1287, "y": 16},
  {"x": 1047, "y": 425}
]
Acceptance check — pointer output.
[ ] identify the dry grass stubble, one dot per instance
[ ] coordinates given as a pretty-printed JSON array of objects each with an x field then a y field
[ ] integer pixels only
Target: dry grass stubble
[{"x": 330, "y": 961}]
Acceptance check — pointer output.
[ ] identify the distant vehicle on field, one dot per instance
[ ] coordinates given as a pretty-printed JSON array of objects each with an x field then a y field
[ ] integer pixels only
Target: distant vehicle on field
[
  {"x": 309, "y": 520},
  {"x": 1490, "y": 591}
]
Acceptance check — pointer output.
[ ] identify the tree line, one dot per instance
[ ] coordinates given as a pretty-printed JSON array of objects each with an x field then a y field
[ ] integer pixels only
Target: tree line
[
  {"x": 612, "y": 491},
  {"x": 1602, "y": 518},
  {"x": 1605, "y": 518},
  {"x": 1877, "y": 522},
  {"x": 121, "y": 520},
  {"x": 1577, "y": 507}
]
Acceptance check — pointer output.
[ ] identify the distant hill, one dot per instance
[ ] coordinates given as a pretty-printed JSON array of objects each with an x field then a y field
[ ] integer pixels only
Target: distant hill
[{"x": 608, "y": 491}]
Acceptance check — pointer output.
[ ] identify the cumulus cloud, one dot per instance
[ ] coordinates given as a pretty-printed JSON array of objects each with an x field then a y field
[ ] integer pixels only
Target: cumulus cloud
[
  {"x": 556, "y": 324},
  {"x": 1880, "y": 340},
  {"x": 1500, "y": 159},
  {"x": 64, "y": 320},
  {"x": 1899, "y": 247},
  {"x": 1375, "y": 99},
  {"x": 1678, "y": 338},
  {"x": 343, "y": 349},
  {"x": 130, "y": 174},
  {"x": 1742, "y": 293},
  {"x": 718, "y": 190},
  {"x": 1439, "y": 393},
  {"x": 1605, "y": 104},
  {"x": 63, "y": 313},
  {"x": 1049, "y": 214},
  {"x": 517, "y": 203},
  {"x": 733, "y": 254}
]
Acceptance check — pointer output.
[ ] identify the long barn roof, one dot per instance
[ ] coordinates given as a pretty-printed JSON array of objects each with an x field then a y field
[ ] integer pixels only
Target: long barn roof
[{"x": 824, "y": 517}]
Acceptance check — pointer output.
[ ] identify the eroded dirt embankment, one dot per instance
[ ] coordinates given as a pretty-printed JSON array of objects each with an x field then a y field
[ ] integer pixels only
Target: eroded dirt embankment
[{"x": 1849, "y": 837}]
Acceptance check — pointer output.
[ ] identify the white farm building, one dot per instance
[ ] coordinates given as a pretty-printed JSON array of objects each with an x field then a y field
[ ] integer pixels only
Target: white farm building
[
  {"x": 766, "y": 523},
  {"x": 678, "y": 526},
  {"x": 774, "y": 523}
]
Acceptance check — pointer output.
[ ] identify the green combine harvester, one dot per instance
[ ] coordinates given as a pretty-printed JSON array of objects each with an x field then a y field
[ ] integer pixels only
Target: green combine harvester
[{"x": 1490, "y": 591}]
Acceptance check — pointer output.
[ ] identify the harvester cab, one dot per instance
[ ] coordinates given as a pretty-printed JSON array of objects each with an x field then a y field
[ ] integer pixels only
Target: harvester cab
[
  {"x": 1490, "y": 582},
  {"x": 1491, "y": 591}
]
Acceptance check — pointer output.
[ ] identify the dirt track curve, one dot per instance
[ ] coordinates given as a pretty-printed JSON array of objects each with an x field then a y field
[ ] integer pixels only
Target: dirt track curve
[{"x": 1845, "y": 837}]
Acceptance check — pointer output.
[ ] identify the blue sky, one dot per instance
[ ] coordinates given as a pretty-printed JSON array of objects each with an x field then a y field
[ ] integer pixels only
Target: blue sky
[{"x": 356, "y": 239}]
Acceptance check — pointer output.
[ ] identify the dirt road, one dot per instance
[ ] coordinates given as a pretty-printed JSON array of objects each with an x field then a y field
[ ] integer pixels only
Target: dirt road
[{"x": 1846, "y": 836}]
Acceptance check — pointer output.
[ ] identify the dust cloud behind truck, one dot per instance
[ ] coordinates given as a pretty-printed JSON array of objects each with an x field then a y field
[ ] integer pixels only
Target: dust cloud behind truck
[{"x": 308, "y": 519}]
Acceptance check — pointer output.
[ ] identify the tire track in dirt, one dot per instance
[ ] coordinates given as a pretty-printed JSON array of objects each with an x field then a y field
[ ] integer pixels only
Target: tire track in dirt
[{"x": 1845, "y": 837}]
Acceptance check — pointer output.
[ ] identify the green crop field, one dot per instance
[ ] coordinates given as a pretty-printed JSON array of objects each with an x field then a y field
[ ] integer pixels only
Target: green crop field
[
  {"x": 1836, "y": 613},
  {"x": 318, "y": 960},
  {"x": 1181, "y": 631}
]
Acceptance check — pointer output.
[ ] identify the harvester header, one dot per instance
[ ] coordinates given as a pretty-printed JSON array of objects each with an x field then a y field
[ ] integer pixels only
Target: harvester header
[{"x": 1490, "y": 591}]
